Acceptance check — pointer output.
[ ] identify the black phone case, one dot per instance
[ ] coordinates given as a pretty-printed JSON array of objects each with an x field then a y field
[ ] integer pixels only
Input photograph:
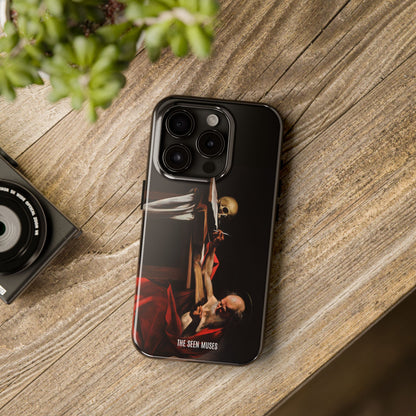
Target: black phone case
[{"x": 173, "y": 239}]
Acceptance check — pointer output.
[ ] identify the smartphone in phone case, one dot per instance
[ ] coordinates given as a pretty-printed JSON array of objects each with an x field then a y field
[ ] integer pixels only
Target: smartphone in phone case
[{"x": 209, "y": 208}]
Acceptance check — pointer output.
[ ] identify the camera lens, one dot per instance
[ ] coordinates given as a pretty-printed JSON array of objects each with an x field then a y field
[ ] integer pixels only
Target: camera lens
[
  {"x": 180, "y": 123},
  {"x": 10, "y": 228},
  {"x": 23, "y": 228},
  {"x": 211, "y": 143},
  {"x": 177, "y": 158},
  {"x": 2, "y": 228}
]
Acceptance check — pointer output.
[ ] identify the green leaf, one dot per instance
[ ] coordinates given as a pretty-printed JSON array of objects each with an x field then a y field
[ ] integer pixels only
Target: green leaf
[
  {"x": 9, "y": 29},
  {"x": 153, "y": 9},
  {"x": 65, "y": 52},
  {"x": 179, "y": 44},
  {"x": 85, "y": 50},
  {"x": 191, "y": 5},
  {"x": 7, "y": 43},
  {"x": 60, "y": 88},
  {"x": 104, "y": 96},
  {"x": 208, "y": 7},
  {"x": 134, "y": 11},
  {"x": 106, "y": 60},
  {"x": 77, "y": 98},
  {"x": 199, "y": 40},
  {"x": 127, "y": 45},
  {"x": 6, "y": 89},
  {"x": 153, "y": 52},
  {"x": 34, "y": 28},
  {"x": 34, "y": 52},
  {"x": 111, "y": 33},
  {"x": 18, "y": 76},
  {"x": 92, "y": 113},
  {"x": 103, "y": 64},
  {"x": 156, "y": 35},
  {"x": 101, "y": 79},
  {"x": 55, "y": 7},
  {"x": 169, "y": 3},
  {"x": 55, "y": 29}
]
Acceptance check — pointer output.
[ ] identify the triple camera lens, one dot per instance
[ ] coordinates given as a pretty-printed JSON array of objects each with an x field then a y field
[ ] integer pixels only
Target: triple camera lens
[{"x": 188, "y": 143}]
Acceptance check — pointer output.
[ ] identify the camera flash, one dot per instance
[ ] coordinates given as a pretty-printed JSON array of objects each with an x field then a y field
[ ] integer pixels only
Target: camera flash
[{"x": 213, "y": 120}]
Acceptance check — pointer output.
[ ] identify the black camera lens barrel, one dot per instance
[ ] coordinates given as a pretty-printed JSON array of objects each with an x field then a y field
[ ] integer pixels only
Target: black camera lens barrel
[
  {"x": 177, "y": 158},
  {"x": 210, "y": 143},
  {"x": 24, "y": 228},
  {"x": 180, "y": 123}
]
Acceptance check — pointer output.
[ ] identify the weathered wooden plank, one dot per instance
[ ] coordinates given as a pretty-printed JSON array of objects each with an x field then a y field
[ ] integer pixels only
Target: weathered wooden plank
[
  {"x": 258, "y": 35},
  {"x": 364, "y": 43},
  {"x": 377, "y": 371},
  {"x": 26, "y": 119}
]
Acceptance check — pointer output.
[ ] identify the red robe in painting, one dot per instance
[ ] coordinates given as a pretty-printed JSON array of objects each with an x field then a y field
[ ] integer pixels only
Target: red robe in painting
[{"x": 159, "y": 311}]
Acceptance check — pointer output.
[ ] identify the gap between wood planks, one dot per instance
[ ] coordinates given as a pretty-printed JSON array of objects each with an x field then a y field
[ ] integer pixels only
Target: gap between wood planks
[
  {"x": 380, "y": 183},
  {"x": 114, "y": 310},
  {"x": 299, "y": 56},
  {"x": 347, "y": 109},
  {"x": 276, "y": 407},
  {"x": 60, "y": 120}
]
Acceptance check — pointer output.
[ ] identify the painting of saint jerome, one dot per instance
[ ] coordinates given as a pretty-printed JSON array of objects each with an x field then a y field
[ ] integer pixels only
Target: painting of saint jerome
[{"x": 191, "y": 320}]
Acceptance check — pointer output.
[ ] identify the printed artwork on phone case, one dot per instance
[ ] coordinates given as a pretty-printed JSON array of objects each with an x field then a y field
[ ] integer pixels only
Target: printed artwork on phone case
[{"x": 187, "y": 309}]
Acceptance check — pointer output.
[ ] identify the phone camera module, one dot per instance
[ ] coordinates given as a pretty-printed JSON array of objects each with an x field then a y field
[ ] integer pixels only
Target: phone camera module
[
  {"x": 211, "y": 143},
  {"x": 177, "y": 158},
  {"x": 180, "y": 123}
]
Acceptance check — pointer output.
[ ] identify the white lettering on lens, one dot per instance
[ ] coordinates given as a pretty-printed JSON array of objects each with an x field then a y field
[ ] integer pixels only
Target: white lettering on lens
[{"x": 29, "y": 205}]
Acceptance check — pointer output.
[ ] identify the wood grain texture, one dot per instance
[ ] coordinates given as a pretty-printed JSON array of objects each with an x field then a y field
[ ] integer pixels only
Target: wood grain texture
[
  {"x": 342, "y": 73},
  {"x": 373, "y": 377},
  {"x": 35, "y": 115}
]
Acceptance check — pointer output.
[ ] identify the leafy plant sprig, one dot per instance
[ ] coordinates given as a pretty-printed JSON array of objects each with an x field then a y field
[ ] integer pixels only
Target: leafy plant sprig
[{"x": 84, "y": 46}]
